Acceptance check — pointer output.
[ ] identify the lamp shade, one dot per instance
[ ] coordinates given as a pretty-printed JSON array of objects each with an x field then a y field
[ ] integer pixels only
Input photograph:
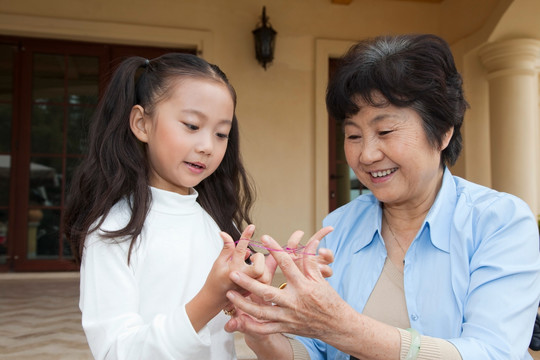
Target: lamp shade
[{"x": 265, "y": 39}]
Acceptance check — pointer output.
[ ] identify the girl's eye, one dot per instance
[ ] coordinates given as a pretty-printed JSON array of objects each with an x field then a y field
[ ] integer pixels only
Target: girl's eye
[
  {"x": 223, "y": 136},
  {"x": 191, "y": 126}
]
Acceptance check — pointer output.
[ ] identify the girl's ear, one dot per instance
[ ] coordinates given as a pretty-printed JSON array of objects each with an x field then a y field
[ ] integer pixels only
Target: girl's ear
[
  {"x": 446, "y": 138},
  {"x": 137, "y": 123}
]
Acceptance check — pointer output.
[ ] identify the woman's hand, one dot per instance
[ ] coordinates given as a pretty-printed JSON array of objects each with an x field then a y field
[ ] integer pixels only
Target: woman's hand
[
  {"x": 324, "y": 256},
  {"x": 307, "y": 298},
  {"x": 308, "y": 306}
]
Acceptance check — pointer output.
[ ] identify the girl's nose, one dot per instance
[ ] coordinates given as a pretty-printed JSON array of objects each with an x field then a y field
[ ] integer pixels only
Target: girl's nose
[{"x": 205, "y": 144}]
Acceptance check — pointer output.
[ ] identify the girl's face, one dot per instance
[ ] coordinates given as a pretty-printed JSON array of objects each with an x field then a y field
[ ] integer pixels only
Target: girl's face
[
  {"x": 389, "y": 152},
  {"x": 187, "y": 135}
]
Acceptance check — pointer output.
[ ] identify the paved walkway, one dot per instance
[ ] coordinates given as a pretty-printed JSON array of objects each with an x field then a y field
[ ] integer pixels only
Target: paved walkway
[{"x": 40, "y": 319}]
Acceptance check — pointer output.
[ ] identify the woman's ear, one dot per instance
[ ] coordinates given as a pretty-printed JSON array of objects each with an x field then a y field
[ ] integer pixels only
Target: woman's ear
[
  {"x": 446, "y": 138},
  {"x": 137, "y": 123}
]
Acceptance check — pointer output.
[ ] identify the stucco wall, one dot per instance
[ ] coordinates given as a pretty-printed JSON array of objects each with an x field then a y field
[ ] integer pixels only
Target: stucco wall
[{"x": 277, "y": 107}]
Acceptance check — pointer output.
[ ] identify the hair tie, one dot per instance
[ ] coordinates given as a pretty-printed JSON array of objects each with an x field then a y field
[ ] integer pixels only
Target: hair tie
[{"x": 146, "y": 63}]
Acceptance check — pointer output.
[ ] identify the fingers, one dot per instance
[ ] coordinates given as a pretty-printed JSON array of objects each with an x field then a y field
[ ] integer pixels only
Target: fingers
[
  {"x": 325, "y": 256},
  {"x": 271, "y": 266},
  {"x": 311, "y": 263},
  {"x": 321, "y": 233},
  {"x": 249, "y": 325},
  {"x": 266, "y": 293},
  {"x": 310, "y": 266},
  {"x": 283, "y": 259},
  {"x": 326, "y": 271},
  {"x": 247, "y": 235},
  {"x": 262, "y": 312},
  {"x": 258, "y": 266},
  {"x": 248, "y": 232},
  {"x": 242, "y": 247},
  {"x": 294, "y": 240},
  {"x": 228, "y": 245},
  {"x": 232, "y": 325}
]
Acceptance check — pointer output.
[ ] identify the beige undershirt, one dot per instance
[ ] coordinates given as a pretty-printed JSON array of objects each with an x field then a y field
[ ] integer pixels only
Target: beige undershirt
[{"x": 387, "y": 304}]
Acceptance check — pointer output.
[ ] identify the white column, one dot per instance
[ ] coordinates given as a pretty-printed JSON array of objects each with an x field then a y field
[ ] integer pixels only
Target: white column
[{"x": 513, "y": 106}]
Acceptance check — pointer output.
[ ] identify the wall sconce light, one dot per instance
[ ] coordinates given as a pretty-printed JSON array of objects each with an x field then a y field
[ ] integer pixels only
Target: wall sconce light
[{"x": 265, "y": 39}]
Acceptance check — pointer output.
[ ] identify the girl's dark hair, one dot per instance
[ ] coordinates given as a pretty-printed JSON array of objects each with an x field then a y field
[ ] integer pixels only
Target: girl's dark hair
[
  {"x": 116, "y": 165},
  {"x": 415, "y": 71}
]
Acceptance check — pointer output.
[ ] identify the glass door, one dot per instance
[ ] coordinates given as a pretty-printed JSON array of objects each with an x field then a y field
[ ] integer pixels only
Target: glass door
[
  {"x": 48, "y": 92},
  {"x": 59, "y": 94},
  {"x": 7, "y": 64},
  {"x": 64, "y": 95}
]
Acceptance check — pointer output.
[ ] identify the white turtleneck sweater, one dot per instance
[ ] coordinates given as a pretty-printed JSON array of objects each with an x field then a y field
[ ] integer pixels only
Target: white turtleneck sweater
[{"x": 138, "y": 311}]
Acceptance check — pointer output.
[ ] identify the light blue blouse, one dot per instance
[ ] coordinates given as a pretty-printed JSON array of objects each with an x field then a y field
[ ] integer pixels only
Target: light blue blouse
[{"x": 472, "y": 274}]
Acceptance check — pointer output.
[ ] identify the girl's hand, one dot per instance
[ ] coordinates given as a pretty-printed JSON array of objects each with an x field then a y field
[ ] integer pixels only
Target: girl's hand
[
  {"x": 233, "y": 258},
  {"x": 304, "y": 265},
  {"x": 211, "y": 299}
]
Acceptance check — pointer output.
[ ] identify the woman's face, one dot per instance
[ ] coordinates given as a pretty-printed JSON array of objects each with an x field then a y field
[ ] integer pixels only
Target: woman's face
[
  {"x": 187, "y": 135},
  {"x": 389, "y": 152}
]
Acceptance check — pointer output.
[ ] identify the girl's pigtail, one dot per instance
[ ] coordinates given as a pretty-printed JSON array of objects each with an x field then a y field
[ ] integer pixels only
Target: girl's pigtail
[{"x": 114, "y": 167}]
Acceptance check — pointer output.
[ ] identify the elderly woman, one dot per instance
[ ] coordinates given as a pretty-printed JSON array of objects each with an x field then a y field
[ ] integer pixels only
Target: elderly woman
[{"x": 427, "y": 266}]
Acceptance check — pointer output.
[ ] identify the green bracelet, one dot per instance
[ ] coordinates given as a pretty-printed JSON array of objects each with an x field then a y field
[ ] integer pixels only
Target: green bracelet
[{"x": 414, "y": 349}]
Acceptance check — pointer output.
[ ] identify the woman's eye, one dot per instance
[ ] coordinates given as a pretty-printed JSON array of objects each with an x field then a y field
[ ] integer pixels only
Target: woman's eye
[
  {"x": 353, "y": 137},
  {"x": 191, "y": 126},
  {"x": 385, "y": 132},
  {"x": 223, "y": 136}
]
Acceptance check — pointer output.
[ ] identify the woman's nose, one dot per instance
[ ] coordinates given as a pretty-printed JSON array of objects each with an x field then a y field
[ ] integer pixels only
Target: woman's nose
[{"x": 370, "y": 152}]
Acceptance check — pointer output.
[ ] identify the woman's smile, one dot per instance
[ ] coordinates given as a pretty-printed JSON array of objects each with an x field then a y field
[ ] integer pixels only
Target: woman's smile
[{"x": 382, "y": 173}]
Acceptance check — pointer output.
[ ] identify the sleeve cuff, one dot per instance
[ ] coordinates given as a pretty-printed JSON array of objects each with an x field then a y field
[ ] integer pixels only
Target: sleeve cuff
[
  {"x": 178, "y": 329},
  {"x": 430, "y": 348},
  {"x": 299, "y": 350}
]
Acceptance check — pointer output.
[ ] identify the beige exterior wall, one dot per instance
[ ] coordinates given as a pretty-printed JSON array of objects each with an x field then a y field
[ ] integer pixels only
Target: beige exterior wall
[
  {"x": 281, "y": 110},
  {"x": 501, "y": 133}
]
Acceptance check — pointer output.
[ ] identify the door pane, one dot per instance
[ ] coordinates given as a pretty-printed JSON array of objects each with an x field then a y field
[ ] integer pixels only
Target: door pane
[
  {"x": 3, "y": 235},
  {"x": 6, "y": 73},
  {"x": 5, "y": 171},
  {"x": 65, "y": 93},
  {"x": 43, "y": 234},
  {"x": 45, "y": 181},
  {"x": 5, "y": 125},
  {"x": 83, "y": 79},
  {"x": 46, "y": 129},
  {"x": 71, "y": 165},
  {"x": 78, "y": 122},
  {"x": 6, "y": 114},
  {"x": 48, "y": 78},
  {"x": 5, "y": 165}
]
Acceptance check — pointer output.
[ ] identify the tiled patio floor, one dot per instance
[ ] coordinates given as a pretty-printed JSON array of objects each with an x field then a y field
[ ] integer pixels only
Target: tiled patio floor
[{"x": 40, "y": 319}]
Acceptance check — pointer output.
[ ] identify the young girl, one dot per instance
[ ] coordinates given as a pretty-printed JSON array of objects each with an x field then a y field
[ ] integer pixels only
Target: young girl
[{"x": 162, "y": 176}]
